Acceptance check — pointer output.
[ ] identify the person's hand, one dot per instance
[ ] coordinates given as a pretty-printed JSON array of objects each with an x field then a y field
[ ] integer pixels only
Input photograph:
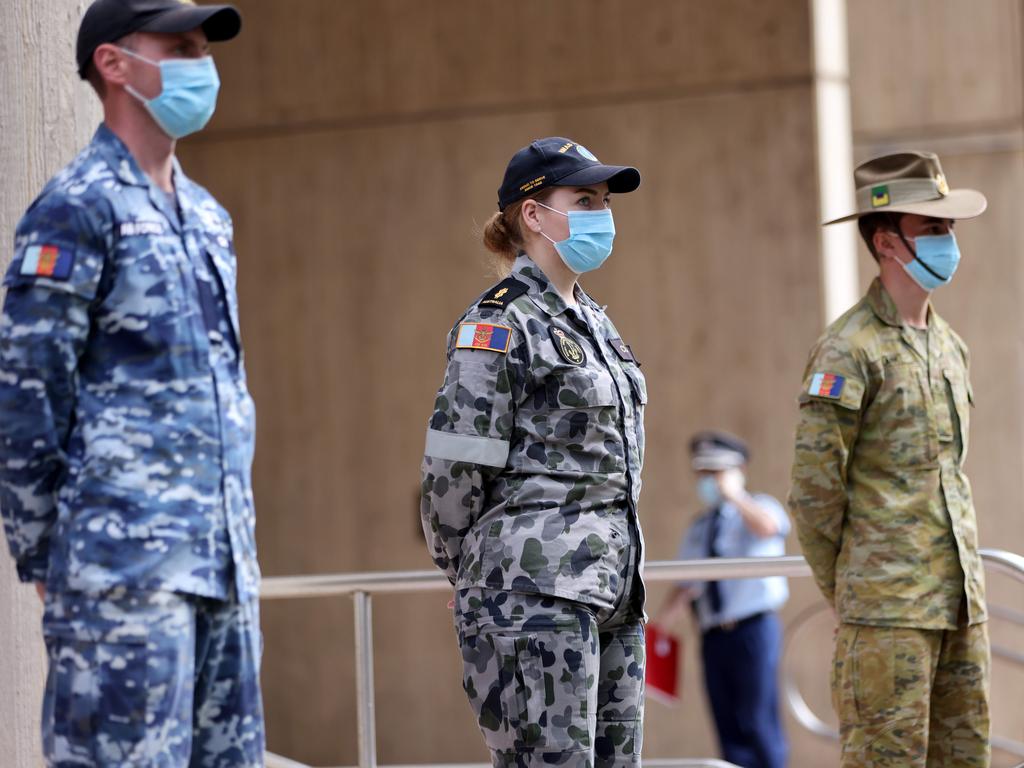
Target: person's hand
[
  {"x": 731, "y": 484},
  {"x": 41, "y": 590}
]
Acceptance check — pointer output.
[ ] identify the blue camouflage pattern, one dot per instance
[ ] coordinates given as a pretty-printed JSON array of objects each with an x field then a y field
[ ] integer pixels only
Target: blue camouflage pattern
[
  {"x": 125, "y": 668},
  {"x": 126, "y": 426}
]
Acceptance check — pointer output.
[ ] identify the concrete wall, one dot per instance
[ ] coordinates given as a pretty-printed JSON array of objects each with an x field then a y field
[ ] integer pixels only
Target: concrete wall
[
  {"x": 359, "y": 146},
  {"x": 46, "y": 114},
  {"x": 946, "y": 76}
]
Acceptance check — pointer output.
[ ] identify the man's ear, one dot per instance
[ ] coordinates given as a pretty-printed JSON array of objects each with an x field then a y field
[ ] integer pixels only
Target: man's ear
[
  {"x": 110, "y": 63},
  {"x": 885, "y": 243}
]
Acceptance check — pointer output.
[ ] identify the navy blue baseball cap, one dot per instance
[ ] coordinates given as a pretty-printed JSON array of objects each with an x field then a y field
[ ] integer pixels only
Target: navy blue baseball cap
[
  {"x": 106, "y": 21},
  {"x": 557, "y": 161}
]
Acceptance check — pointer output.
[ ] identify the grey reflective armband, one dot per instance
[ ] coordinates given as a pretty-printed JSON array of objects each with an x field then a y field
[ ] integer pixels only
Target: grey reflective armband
[{"x": 487, "y": 451}]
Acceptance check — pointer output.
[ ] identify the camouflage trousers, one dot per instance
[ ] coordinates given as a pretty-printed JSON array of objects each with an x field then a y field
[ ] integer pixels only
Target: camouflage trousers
[
  {"x": 152, "y": 679},
  {"x": 912, "y": 698},
  {"x": 552, "y": 682}
]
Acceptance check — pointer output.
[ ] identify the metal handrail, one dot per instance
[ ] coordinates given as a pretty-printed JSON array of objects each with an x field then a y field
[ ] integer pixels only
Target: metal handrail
[
  {"x": 363, "y": 585},
  {"x": 289, "y": 587}
]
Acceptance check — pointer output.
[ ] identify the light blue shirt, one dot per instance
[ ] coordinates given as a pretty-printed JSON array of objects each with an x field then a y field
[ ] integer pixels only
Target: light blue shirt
[{"x": 741, "y": 598}]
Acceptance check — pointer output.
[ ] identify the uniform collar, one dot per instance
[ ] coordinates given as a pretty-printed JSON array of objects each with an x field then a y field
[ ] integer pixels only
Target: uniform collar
[
  {"x": 541, "y": 291},
  {"x": 125, "y": 167},
  {"x": 885, "y": 308}
]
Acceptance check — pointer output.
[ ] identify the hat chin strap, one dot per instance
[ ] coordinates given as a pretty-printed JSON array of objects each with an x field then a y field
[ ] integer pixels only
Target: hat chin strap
[{"x": 913, "y": 251}]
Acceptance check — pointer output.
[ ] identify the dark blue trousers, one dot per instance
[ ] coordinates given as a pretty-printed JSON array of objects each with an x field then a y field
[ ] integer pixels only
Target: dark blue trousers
[{"x": 741, "y": 678}]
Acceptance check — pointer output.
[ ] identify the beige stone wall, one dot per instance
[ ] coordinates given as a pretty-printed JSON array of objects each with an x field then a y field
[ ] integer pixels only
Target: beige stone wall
[
  {"x": 359, "y": 147},
  {"x": 46, "y": 115},
  {"x": 946, "y": 76}
]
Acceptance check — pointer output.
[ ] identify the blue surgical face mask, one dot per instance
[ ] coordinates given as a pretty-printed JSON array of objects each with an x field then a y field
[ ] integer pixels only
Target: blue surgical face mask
[
  {"x": 590, "y": 239},
  {"x": 707, "y": 490},
  {"x": 188, "y": 95},
  {"x": 936, "y": 258}
]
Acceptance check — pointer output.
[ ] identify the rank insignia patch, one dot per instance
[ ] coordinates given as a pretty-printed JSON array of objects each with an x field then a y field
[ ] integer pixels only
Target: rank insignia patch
[
  {"x": 623, "y": 350},
  {"x": 495, "y": 338},
  {"x": 567, "y": 347},
  {"x": 505, "y": 292},
  {"x": 826, "y": 385},
  {"x": 47, "y": 261}
]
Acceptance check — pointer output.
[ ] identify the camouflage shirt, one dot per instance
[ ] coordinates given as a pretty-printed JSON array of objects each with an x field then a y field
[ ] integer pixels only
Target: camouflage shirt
[
  {"x": 126, "y": 428},
  {"x": 882, "y": 506},
  {"x": 532, "y": 469}
]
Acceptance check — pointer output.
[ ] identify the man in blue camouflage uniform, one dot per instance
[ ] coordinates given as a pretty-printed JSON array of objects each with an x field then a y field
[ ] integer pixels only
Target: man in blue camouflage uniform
[
  {"x": 531, "y": 480},
  {"x": 126, "y": 427}
]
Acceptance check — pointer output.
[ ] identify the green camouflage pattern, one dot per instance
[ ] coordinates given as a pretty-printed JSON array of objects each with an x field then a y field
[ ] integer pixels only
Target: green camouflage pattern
[
  {"x": 912, "y": 698},
  {"x": 531, "y": 475},
  {"x": 879, "y": 497},
  {"x": 549, "y": 682}
]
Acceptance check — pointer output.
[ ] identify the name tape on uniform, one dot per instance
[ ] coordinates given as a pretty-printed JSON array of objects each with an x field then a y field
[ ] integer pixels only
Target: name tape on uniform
[
  {"x": 828, "y": 385},
  {"x": 494, "y": 338},
  {"x": 47, "y": 261}
]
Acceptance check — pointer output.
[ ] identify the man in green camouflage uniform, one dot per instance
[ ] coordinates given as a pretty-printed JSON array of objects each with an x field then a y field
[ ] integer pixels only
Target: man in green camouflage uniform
[
  {"x": 531, "y": 478},
  {"x": 882, "y": 506}
]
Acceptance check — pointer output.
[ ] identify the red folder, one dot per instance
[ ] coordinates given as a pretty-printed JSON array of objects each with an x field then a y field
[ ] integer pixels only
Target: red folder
[{"x": 664, "y": 664}]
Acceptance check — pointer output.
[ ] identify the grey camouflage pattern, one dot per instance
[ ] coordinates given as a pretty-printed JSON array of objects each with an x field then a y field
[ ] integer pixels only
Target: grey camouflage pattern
[
  {"x": 126, "y": 427},
  {"x": 558, "y": 515},
  {"x": 126, "y": 668},
  {"x": 549, "y": 683}
]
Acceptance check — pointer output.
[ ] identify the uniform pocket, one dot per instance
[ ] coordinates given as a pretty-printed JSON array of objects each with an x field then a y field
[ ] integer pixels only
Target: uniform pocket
[
  {"x": 962, "y": 400},
  {"x": 96, "y": 700},
  {"x": 908, "y": 440},
  {"x": 529, "y": 690}
]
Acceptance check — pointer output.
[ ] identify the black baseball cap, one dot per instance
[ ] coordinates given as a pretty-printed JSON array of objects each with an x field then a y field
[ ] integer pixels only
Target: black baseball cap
[
  {"x": 557, "y": 161},
  {"x": 108, "y": 20}
]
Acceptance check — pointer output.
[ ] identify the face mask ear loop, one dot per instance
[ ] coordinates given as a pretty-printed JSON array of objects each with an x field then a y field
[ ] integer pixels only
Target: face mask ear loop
[{"x": 913, "y": 251}]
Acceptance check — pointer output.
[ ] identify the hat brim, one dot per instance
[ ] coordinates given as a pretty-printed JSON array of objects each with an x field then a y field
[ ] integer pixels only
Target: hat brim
[
  {"x": 620, "y": 178},
  {"x": 219, "y": 22},
  {"x": 958, "y": 204}
]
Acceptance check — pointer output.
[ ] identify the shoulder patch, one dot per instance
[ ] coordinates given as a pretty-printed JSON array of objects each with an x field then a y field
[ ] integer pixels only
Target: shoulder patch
[
  {"x": 569, "y": 349},
  {"x": 828, "y": 385},
  {"x": 50, "y": 261},
  {"x": 503, "y": 294},
  {"x": 494, "y": 338}
]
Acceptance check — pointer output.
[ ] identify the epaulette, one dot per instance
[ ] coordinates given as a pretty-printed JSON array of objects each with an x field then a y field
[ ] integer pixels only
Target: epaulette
[{"x": 503, "y": 294}]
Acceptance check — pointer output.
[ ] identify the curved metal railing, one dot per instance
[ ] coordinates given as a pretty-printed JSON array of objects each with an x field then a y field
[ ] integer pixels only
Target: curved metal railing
[
  {"x": 999, "y": 561},
  {"x": 362, "y": 585}
]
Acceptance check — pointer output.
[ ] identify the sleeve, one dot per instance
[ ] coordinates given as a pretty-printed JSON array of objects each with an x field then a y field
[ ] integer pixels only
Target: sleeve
[
  {"x": 468, "y": 440},
  {"x": 693, "y": 547},
  {"x": 777, "y": 511},
  {"x": 50, "y": 285},
  {"x": 828, "y": 422}
]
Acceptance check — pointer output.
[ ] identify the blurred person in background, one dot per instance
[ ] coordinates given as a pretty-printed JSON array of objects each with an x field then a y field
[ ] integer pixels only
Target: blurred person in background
[
  {"x": 531, "y": 478},
  {"x": 880, "y": 500},
  {"x": 741, "y": 635},
  {"x": 126, "y": 426}
]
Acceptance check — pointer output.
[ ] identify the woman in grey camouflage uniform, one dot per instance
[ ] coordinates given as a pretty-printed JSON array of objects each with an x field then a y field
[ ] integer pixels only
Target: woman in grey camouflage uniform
[{"x": 531, "y": 477}]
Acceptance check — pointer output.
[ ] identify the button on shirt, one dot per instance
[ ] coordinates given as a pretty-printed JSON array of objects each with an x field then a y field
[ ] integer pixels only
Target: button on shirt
[
  {"x": 531, "y": 474},
  {"x": 740, "y": 598},
  {"x": 126, "y": 426}
]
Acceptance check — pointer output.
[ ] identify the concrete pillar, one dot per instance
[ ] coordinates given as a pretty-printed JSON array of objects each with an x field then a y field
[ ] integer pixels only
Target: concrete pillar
[{"x": 46, "y": 115}]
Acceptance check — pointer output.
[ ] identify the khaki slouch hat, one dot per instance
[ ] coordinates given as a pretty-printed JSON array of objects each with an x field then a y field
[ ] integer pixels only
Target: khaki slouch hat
[{"x": 911, "y": 182}]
